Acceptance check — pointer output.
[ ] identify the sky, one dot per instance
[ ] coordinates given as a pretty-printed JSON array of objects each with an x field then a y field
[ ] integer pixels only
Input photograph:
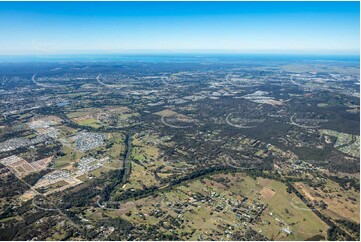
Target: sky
[{"x": 230, "y": 27}]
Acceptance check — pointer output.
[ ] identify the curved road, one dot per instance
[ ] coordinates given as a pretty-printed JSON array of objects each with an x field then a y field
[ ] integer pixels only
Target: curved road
[
  {"x": 302, "y": 126},
  {"x": 238, "y": 125},
  {"x": 174, "y": 126}
]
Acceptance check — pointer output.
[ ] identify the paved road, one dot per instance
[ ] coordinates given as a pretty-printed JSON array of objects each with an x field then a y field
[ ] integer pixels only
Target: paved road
[
  {"x": 174, "y": 126},
  {"x": 238, "y": 125},
  {"x": 302, "y": 126},
  {"x": 50, "y": 202},
  {"x": 107, "y": 85}
]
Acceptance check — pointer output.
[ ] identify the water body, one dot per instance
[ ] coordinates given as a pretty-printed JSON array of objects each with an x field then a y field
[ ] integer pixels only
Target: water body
[{"x": 126, "y": 161}]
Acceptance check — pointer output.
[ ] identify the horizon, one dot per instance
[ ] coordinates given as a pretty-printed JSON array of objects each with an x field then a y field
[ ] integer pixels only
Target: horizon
[
  {"x": 52, "y": 28},
  {"x": 176, "y": 56}
]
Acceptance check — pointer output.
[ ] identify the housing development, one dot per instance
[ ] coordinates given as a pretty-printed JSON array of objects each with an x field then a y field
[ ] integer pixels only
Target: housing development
[{"x": 180, "y": 148}]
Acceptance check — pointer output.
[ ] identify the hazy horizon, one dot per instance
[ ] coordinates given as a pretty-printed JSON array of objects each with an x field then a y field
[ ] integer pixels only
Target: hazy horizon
[{"x": 29, "y": 28}]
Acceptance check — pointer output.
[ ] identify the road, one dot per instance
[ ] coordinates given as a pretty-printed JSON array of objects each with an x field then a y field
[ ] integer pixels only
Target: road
[
  {"x": 41, "y": 84},
  {"x": 56, "y": 208},
  {"x": 238, "y": 125},
  {"x": 107, "y": 85},
  {"x": 302, "y": 126},
  {"x": 174, "y": 126}
]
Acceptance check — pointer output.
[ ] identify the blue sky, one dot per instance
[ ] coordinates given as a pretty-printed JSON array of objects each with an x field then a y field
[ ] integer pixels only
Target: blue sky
[{"x": 250, "y": 27}]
